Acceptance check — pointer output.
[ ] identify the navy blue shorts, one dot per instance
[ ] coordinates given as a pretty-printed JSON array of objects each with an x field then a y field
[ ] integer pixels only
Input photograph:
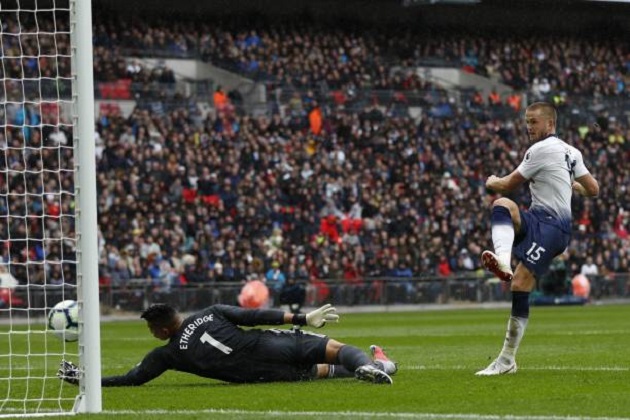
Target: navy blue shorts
[{"x": 541, "y": 239}]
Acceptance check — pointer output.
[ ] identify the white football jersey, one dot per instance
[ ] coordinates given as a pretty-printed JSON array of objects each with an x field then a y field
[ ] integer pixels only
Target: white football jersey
[{"x": 551, "y": 165}]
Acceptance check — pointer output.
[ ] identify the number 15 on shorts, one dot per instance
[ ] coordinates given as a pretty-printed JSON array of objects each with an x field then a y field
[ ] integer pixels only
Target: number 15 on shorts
[{"x": 535, "y": 252}]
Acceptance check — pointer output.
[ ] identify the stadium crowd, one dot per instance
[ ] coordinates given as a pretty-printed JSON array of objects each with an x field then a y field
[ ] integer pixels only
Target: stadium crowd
[
  {"x": 348, "y": 55},
  {"x": 369, "y": 196},
  {"x": 321, "y": 192}
]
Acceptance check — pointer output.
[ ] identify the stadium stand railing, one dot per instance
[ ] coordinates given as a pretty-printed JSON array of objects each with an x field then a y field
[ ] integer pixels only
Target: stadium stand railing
[
  {"x": 388, "y": 291},
  {"x": 470, "y": 288}
]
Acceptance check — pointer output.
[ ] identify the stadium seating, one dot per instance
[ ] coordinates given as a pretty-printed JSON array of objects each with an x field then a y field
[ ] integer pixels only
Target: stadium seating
[{"x": 374, "y": 193}]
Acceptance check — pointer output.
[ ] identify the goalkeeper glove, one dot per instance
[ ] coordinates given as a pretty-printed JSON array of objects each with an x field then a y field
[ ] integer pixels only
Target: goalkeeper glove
[
  {"x": 318, "y": 317},
  {"x": 69, "y": 372}
]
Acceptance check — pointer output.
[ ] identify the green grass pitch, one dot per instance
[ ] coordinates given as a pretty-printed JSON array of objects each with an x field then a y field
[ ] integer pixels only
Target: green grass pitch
[{"x": 574, "y": 362}]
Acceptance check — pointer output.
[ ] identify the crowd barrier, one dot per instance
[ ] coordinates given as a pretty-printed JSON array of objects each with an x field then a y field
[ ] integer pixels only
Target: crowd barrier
[
  {"x": 137, "y": 294},
  {"x": 383, "y": 291}
]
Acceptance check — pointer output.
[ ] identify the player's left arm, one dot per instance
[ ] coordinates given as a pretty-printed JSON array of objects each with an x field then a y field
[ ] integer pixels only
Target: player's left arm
[
  {"x": 584, "y": 183},
  {"x": 253, "y": 317},
  {"x": 507, "y": 184},
  {"x": 586, "y": 186}
]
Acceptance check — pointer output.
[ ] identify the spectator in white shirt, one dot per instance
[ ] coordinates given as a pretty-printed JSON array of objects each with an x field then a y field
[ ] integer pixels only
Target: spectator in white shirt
[{"x": 589, "y": 268}]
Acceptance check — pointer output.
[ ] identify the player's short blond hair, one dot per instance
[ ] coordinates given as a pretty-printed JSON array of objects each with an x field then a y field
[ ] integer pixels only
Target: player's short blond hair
[{"x": 546, "y": 110}]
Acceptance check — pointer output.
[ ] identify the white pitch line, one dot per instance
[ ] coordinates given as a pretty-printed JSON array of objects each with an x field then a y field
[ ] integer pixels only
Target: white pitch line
[
  {"x": 442, "y": 367},
  {"x": 560, "y": 368},
  {"x": 360, "y": 414}
]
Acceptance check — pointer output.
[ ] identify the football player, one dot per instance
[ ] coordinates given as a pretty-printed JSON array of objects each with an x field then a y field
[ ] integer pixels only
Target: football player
[
  {"x": 212, "y": 344},
  {"x": 535, "y": 236}
]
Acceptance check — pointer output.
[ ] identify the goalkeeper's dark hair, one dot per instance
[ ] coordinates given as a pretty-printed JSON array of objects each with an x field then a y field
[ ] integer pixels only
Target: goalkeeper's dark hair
[{"x": 160, "y": 314}]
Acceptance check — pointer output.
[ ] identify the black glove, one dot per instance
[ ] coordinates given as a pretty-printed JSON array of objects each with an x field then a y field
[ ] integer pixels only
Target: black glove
[{"x": 69, "y": 372}]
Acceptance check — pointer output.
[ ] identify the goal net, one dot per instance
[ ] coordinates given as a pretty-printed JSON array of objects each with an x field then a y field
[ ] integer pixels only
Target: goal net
[{"x": 46, "y": 184}]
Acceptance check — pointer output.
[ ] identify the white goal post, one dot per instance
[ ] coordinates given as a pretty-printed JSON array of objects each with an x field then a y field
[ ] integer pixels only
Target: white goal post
[{"x": 48, "y": 223}]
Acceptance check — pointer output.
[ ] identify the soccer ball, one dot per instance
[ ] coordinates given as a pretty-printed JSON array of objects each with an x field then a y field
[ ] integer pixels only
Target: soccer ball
[
  {"x": 254, "y": 295},
  {"x": 63, "y": 320}
]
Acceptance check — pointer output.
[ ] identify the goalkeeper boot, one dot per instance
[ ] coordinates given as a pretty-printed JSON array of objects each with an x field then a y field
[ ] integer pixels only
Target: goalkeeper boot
[
  {"x": 381, "y": 359},
  {"x": 497, "y": 368},
  {"x": 499, "y": 268},
  {"x": 371, "y": 373}
]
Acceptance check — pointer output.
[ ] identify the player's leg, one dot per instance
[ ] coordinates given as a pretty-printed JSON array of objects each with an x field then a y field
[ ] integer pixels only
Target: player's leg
[
  {"x": 355, "y": 360},
  {"x": 326, "y": 371},
  {"x": 382, "y": 361},
  {"x": 522, "y": 284},
  {"x": 379, "y": 358},
  {"x": 536, "y": 246},
  {"x": 307, "y": 348},
  {"x": 506, "y": 222}
]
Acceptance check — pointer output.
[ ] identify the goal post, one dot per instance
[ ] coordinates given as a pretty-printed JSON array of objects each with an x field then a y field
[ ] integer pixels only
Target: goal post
[
  {"x": 48, "y": 205},
  {"x": 89, "y": 399}
]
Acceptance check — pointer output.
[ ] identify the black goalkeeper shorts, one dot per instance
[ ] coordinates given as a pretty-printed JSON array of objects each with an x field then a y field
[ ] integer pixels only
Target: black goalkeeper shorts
[{"x": 290, "y": 355}]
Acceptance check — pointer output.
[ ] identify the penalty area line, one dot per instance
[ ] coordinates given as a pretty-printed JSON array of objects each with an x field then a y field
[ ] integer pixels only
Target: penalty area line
[
  {"x": 560, "y": 368},
  {"x": 359, "y": 414}
]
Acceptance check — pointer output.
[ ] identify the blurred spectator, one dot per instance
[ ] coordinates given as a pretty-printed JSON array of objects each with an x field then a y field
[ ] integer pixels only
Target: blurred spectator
[
  {"x": 589, "y": 268},
  {"x": 293, "y": 294},
  {"x": 444, "y": 268},
  {"x": 274, "y": 243},
  {"x": 220, "y": 98},
  {"x": 275, "y": 280}
]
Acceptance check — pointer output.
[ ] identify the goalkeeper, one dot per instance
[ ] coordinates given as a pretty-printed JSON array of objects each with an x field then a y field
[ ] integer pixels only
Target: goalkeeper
[{"x": 211, "y": 344}]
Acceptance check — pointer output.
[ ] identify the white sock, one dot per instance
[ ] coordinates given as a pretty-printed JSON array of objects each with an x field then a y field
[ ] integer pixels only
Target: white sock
[
  {"x": 386, "y": 366},
  {"x": 515, "y": 330},
  {"x": 502, "y": 239}
]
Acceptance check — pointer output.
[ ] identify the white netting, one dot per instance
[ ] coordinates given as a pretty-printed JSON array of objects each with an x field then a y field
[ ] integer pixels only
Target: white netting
[{"x": 37, "y": 223}]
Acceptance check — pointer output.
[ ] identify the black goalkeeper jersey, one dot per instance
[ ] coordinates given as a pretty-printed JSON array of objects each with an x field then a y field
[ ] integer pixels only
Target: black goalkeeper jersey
[{"x": 211, "y": 344}]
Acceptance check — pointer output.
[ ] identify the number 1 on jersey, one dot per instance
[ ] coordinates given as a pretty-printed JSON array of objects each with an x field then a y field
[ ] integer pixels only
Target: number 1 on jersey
[{"x": 207, "y": 338}]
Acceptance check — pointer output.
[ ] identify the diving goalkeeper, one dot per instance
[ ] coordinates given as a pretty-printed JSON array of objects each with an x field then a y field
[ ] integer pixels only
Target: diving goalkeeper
[{"x": 212, "y": 344}]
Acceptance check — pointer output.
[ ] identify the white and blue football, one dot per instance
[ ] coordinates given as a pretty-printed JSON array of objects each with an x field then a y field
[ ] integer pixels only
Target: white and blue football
[{"x": 63, "y": 320}]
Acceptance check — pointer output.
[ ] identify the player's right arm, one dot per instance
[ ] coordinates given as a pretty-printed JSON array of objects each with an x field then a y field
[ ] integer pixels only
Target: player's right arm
[
  {"x": 152, "y": 366},
  {"x": 586, "y": 186},
  {"x": 507, "y": 184}
]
